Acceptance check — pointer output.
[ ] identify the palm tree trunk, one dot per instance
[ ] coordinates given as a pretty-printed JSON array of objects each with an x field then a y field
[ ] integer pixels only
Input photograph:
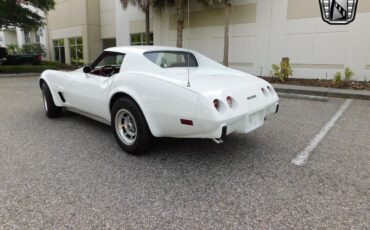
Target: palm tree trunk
[
  {"x": 180, "y": 11},
  {"x": 147, "y": 26},
  {"x": 226, "y": 35}
]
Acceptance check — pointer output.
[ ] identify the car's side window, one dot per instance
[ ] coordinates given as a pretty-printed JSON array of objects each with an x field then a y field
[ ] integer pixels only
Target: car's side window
[{"x": 107, "y": 64}]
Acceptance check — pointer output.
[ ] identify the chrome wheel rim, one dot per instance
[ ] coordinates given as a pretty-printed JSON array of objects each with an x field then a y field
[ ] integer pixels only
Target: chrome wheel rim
[
  {"x": 45, "y": 102},
  {"x": 126, "y": 127}
]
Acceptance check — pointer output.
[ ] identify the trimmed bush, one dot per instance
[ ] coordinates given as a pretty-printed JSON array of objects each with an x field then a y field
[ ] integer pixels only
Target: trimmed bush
[
  {"x": 337, "y": 79},
  {"x": 282, "y": 72},
  {"x": 33, "y": 48},
  {"x": 58, "y": 65},
  {"x": 348, "y": 74},
  {"x": 8, "y": 69}
]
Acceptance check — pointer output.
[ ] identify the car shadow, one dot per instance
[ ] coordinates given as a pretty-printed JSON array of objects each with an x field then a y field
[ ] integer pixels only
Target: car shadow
[{"x": 234, "y": 147}]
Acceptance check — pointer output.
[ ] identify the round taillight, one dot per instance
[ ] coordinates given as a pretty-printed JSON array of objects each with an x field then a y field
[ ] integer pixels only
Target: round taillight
[
  {"x": 229, "y": 101},
  {"x": 216, "y": 103}
]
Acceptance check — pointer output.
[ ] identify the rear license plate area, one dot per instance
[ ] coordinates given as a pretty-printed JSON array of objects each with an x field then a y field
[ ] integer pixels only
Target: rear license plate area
[{"x": 256, "y": 119}]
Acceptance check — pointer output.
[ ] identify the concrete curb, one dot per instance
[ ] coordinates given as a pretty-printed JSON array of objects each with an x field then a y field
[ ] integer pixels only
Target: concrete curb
[
  {"x": 322, "y": 92},
  {"x": 303, "y": 97},
  {"x": 6, "y": 75}
]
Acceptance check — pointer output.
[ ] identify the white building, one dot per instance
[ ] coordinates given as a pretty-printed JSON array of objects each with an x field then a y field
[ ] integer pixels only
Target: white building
[{"x": 261, "y": 33}]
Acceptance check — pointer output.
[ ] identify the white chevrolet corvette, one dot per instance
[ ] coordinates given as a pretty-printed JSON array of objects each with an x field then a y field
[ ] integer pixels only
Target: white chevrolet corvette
[{"x": 148, "y": 91}]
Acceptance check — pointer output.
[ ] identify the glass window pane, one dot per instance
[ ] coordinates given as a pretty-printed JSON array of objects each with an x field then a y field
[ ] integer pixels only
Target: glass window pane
[
  {"x": 76, "y": 50},
  {"x": 61, "y": 42},
  {"x": 72, "y": 50},
  {"x": 80, "y": 54},
  {"x": 172, "y": 59},
  {"x": 63, "y": 55},
  {"x": 56, "y": 54},
  {"x": 79, "y": 40},
  {"x": 72, "y": 41}
]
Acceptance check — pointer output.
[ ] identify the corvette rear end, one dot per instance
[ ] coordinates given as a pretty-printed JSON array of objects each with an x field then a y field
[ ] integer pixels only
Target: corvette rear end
[
  {"x": 230, "y": 104},
  {"x": 241, "y": 110}
]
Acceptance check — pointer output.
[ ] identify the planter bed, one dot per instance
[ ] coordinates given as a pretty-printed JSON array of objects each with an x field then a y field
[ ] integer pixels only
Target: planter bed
[{"x": 358, "y": 85}]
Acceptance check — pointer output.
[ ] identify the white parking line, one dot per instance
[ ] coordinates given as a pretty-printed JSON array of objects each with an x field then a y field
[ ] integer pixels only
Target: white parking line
[{"x": 302, "y": 157}]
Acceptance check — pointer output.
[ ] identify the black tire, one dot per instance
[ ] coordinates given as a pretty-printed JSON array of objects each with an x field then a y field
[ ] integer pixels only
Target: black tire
[
  {"x": 143, "y": 140},
  {"x": 51, "y": 110}
]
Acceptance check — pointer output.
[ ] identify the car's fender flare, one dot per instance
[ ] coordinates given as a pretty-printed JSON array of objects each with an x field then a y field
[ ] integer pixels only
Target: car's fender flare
[
  {"x": 123, "y": 92},
  {"x": 43, "y": 79}
]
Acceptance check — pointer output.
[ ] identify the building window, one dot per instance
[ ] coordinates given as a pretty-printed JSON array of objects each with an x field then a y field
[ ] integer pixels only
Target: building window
[
  {"x": 108, "y": 43},
  {"x": 76, "y": 50},
  {"x": 59, "y": 52},
  {"x": 138, "y": 39}
]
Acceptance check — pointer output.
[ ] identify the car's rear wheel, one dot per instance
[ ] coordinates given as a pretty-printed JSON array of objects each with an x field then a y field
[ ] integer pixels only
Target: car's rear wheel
[
  {"x": 51, "y": 110},
  {"x": 130, "y": 127}
]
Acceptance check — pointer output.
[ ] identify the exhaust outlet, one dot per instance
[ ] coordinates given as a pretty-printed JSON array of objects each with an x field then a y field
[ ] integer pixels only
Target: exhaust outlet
[{"x": 218, "y": 140}]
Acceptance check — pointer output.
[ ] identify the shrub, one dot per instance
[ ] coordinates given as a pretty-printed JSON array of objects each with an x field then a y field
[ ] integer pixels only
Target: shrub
[
  {"x": 276, "y": 70},
  {"x": 33, "y": 48},
  {"x": 58, "y": 65},
  {"x": 284, "y": 71},
  {"x": 8, "y": 69},
  {"x": 348, "y": 74},
  {"x": 337, "y": 78},
  {"x": 13, "y": 49}
]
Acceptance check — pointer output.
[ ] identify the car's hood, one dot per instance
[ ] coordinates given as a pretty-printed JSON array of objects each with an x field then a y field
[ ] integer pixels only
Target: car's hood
[{"x": 208, "y": 80}]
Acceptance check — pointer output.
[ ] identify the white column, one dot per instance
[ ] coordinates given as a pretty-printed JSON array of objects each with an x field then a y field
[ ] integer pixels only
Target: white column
[
  {"x": 263, "y": 30},
  {"x": 67, "y": 51},
  {"x": 20, "y": 37}
]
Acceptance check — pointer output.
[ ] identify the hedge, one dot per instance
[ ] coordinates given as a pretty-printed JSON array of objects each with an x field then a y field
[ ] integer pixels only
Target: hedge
[{"x": 8, "y": 69}]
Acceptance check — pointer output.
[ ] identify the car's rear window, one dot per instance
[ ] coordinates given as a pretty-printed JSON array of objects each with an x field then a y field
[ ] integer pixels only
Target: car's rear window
[{"x": 172, "y": 59}]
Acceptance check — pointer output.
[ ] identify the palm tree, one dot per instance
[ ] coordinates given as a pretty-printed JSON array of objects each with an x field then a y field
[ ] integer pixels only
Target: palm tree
[
  {"x": 227, "y": 4},
  {"x": 144, "y": 5},
  {"x": 180, "y": 19}
]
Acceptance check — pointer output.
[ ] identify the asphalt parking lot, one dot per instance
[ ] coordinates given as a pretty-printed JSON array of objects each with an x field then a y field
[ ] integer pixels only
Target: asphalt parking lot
[{"x": 69, "y": 173}]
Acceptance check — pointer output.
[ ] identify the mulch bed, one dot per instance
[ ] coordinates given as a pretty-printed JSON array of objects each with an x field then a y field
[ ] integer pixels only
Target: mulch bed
[{"x": 359, "y": 85}]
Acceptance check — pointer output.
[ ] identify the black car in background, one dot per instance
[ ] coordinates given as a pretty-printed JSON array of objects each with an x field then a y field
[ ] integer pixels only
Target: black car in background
[{"x": 18, "y": 59}]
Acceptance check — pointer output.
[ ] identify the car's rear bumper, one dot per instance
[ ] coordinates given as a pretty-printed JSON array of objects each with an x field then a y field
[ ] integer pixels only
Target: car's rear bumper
[{"x": 244, "y": 123}]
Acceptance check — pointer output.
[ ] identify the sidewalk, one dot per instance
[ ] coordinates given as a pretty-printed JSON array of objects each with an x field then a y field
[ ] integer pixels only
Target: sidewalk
[{"x": 323, "y": 92}]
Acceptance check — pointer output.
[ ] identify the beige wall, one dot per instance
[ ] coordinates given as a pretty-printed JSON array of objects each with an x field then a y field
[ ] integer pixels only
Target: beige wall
[
  {"x": 67, "y": 13},
  {"x": 93, "y": 30},
  {"x": 363, "y": 6},
  {"x": 298, "y": 9},
  {"x": 107, "y": 19},
  {"x": 240, "y": 14},
  {"x": 10, "y": 37},
  {"x": 76, "y": 18},
  {"x": 138, "y": 26}
]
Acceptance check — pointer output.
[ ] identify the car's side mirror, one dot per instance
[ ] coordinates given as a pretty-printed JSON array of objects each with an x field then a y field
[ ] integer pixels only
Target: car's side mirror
[{"x": 87, "y": 69}]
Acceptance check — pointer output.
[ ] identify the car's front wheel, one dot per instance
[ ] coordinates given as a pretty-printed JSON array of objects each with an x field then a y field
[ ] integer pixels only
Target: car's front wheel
[
  {"x": 130, "y": 127},
  {"x": 50, "y": 108}
]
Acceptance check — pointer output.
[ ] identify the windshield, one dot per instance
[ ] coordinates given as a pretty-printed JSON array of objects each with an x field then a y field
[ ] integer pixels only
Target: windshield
[{"x": 171, "y": 59}]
